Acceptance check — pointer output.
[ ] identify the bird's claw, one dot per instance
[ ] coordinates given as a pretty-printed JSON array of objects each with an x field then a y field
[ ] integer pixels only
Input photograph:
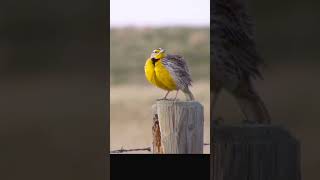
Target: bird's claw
[
  {"x": 162, "y": 99},
  {"x": 168, "y": 99}
]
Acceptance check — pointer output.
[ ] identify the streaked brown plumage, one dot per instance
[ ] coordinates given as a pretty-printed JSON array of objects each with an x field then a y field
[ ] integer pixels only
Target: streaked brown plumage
[
  {"x": 168, "y": 72},
  {"x": 235, "y": 58}
]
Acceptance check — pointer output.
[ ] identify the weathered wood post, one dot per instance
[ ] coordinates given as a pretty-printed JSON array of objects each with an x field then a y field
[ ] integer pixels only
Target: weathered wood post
[
  {"x": 177, "y": 127},
  {"x": 255, "y": 152}
]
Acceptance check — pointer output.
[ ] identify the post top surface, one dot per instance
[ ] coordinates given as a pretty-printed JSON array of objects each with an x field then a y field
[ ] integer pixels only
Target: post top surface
[{"x": 177, "y": 102}]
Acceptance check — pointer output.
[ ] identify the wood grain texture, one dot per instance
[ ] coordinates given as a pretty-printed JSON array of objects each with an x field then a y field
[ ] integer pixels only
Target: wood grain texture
[
  {"x": 255, "y": 152},
  {"x": 181, "y": 126}
]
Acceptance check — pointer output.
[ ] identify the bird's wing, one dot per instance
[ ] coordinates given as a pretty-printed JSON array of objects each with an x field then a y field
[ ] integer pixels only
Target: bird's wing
[
  {"x": 178, "y": 70},
  {"x": 232, "y": 38}
]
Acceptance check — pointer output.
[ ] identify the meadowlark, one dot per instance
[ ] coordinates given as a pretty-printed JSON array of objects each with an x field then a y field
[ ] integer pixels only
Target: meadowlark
[
  {"x": 235, "y": 58},
  {"x": 168, "y": 72}
]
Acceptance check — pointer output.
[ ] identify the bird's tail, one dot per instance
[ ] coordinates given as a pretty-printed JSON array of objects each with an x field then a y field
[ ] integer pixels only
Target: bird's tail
[
  {"x": 188, "y": 94},
  {"x": 252, "y": 105},
  {"x": 254, "y": 109}
]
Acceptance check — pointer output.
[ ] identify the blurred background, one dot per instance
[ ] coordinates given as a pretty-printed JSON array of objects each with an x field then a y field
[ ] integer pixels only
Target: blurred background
[
  {"x": 137, "y": 27},
  {"x": 53, "y": 76},
  {"x": 287, "y": 34}
]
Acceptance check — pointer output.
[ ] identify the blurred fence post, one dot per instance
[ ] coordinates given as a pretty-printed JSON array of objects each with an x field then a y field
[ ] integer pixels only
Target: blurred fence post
[
  {"x": 257, "y": 152},
  {"x": 177, "y": 127}
]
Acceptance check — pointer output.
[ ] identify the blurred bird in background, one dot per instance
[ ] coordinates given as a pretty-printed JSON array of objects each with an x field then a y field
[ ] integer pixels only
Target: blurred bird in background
[
  {"x": 235, "y": 58},
  {"x": 168, "y": 72}
]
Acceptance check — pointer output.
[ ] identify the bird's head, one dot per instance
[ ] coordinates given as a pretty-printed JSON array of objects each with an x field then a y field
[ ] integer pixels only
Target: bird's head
[{"x": 158, "y": 54}]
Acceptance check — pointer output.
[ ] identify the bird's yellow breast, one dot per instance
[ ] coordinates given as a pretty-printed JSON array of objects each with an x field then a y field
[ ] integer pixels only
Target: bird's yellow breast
[{"x": 158, "y": 75}]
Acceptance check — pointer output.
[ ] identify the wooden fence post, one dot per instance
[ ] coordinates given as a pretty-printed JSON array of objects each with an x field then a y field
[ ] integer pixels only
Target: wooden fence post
[
  {"x": 177, "y": 127},
  {"x": 257, "y": 152}
]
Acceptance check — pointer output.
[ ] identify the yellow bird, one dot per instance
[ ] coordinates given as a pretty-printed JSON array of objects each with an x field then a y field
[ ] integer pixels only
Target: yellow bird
[{"x": 168, "y": 72}]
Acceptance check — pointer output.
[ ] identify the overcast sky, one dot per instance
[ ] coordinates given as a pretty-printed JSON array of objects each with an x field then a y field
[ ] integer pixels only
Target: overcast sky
[{"x": 159, "y": 12}]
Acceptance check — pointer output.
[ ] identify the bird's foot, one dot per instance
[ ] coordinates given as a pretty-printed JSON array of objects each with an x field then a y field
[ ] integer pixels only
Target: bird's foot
[
  {"x": 162, "y": 99},
  {"x": 167, "y": 99}
]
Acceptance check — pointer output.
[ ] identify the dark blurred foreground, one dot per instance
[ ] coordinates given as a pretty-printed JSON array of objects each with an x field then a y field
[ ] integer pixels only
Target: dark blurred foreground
[{"x": 53, "y": 107}]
